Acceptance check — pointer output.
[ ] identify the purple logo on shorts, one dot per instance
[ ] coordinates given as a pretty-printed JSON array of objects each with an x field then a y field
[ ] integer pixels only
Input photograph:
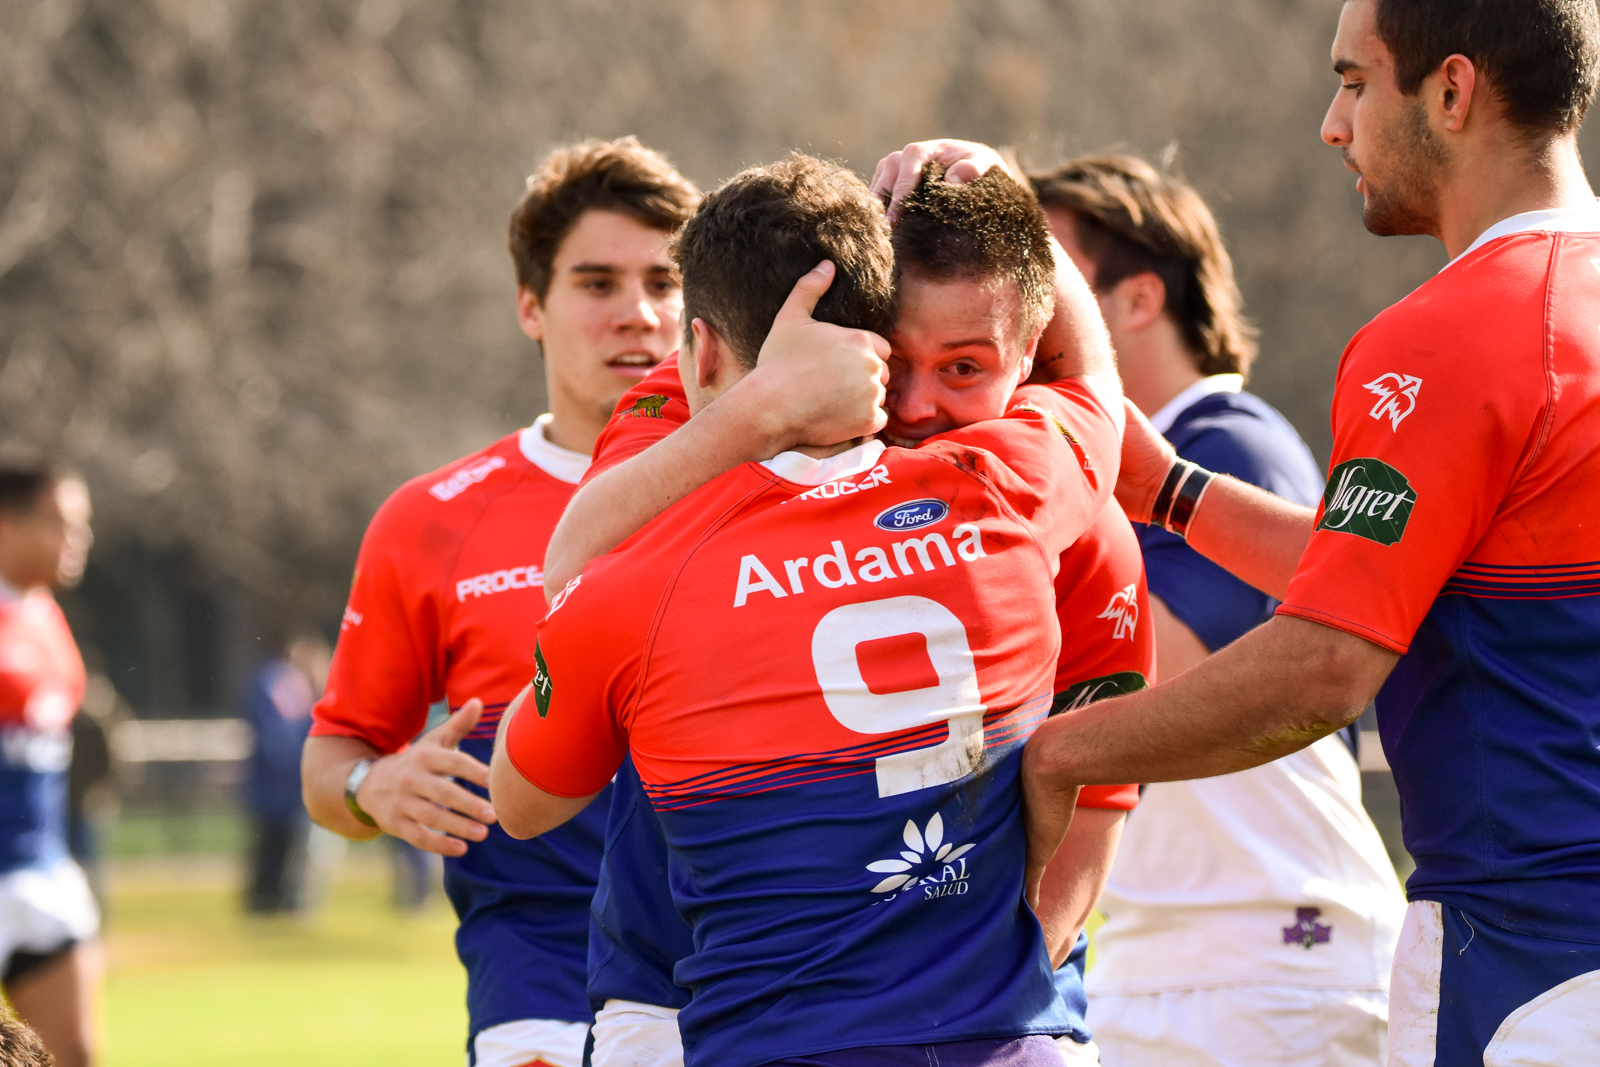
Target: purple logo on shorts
[{"x": 1306, "y": 930}]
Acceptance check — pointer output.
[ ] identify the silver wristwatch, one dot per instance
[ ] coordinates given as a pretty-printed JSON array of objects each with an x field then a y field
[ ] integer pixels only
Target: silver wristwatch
[{"x": 358, "y": 774}]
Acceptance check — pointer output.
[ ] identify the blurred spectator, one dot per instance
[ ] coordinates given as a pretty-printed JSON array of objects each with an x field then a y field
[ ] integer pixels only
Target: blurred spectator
[
  {"x": 49, "y": 954},
  {"x": 91, "y": 779},
  {"x": 278, "y": 708}
]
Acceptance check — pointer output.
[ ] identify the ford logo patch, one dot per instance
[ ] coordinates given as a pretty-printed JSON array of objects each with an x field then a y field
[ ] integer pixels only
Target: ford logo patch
[{"x": 912, "y": 515}]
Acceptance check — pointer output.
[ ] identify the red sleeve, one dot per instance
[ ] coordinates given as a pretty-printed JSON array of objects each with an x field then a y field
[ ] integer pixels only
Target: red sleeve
[
  {"x": 646, "y": 414},
  {"x": 1432, "y": 419},
  {"x": 1110, "y": 797},
  {"x": 1053, "y": 456},
  {"x": 1108, "y": 638},
  {"x": 568, "y": 738},
  {"x": 385, "y": 672}
]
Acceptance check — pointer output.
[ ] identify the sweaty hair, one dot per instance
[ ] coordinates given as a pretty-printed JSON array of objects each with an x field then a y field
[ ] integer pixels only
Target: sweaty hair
[
  {"x": 752, "y": 239},
  {"x": 1131, "y": 219},
  {"x": 1540, "y": 56},
  {"x": 621, "y": 176},
  {"x": 991, "y": 227},
  {"x": 22, "y": 484},
  {"x": 19, "y": 1045}
]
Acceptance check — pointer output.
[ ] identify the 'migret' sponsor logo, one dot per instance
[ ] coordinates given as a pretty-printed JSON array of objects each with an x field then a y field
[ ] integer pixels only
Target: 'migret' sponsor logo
[{"x": 1368, "y": 498}]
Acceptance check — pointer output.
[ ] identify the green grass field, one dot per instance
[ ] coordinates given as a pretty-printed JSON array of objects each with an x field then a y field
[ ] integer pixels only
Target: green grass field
[{"x": 192, "y": 981}]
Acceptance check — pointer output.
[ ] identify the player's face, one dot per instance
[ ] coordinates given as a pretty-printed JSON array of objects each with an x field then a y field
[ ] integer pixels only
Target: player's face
[
  {"x": 35, "y": 544},
  {"x": 955, "y": 357},
  {"x": 1384, "y": 134},
  {"x": 77, "y": 536},
  {"x": 611, "y": 313}
]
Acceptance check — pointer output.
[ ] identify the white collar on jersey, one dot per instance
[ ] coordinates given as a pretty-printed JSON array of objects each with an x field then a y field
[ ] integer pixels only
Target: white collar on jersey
[
  {"x": 557, "y": 462},
  {"x": 802, "y": 469},
  {"x": 1215, "y": 383},
  {"x": 1555, "y": 220},
  {"x": 8, "y": 593}
]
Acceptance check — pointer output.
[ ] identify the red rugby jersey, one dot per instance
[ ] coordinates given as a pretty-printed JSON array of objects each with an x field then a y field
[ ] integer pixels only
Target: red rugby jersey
[
  {"x": 1107, "y": 636},
  {"x": 449, "y": 586},
  {"x": 41, "y": 674},
  {"x": 1458, "y": 528},
  {"x": 41, "y": 686}
]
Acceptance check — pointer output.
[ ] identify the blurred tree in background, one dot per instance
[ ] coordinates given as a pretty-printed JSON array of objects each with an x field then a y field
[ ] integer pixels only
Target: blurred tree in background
[{"x": 252, "y": 266}]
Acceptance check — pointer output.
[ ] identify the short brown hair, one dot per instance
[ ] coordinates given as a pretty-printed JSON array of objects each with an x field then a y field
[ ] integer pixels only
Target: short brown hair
[
  {"x": 1131, "y": 219},
  {"x": 985, "y": 228},
  {"x": 24, "y": 482},
  {"x": 622, "y": 176},
  {"x": 752, "y": 239},
  {"x": 1540, "y": 56},
  {"x": 19, "y": 1045}
]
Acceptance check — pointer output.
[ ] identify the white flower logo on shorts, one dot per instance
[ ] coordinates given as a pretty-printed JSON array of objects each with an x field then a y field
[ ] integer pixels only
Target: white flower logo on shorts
[{"x": 927, "y": 860}]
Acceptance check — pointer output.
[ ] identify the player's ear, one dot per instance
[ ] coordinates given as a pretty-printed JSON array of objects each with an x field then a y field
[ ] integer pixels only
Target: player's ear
[
  {"x": 530, "y": 313},
  {"x": 1025, "y": 364},
  {"x": 708, "y": 355},
  {"x": 1140, "y": 299}
]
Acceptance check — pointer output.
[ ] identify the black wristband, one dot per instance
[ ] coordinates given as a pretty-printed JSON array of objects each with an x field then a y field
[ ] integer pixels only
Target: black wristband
[
  {"x": 1169, "y": 489},
  {"x": 1187, "y": 499}
]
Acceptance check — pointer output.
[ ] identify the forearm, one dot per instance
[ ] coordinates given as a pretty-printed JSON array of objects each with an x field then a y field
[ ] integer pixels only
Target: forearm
[
  {"x": 1077, "y": 876},
  {"x": 1254, "y": 535},
  {"x": 1274, "y": 691},
  {"x": 615, "y": 505},
  {"x": 325, "y": 763},
  {"x": 1047, "y": 807}
]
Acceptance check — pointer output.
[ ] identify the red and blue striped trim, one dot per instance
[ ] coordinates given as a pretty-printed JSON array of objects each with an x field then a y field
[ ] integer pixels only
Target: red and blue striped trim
[
  {"x": 999, "y": 728},
  {"x": 1545, "y": 581}
]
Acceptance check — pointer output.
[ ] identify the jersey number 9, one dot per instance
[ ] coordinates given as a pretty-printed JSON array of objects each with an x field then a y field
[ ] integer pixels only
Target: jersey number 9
[{"x": 835, "y": 647}]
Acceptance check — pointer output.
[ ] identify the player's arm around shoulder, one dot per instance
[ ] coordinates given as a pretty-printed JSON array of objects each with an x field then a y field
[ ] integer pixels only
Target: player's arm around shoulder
[
  {"x": 814, "y": 384},
  {"x": 561, "y": 740}
]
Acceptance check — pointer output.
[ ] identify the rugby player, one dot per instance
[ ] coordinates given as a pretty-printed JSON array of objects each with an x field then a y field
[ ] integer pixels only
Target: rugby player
[
  {"x": 50, "y": 962},
  {"x": 809, "y": 943},
  {"x": 1452, "y": 569},
  {"x": 1246, "y": 899},
  {"x": 448, "y": 587},
  {"x": 949, "y": 350}
]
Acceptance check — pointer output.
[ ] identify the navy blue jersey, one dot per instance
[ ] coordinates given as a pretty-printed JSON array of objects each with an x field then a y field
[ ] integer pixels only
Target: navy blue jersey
[
  {"x": 1238, "y": 434},
  {"x": 636, "y": 936},
  {"x": 524, "y": 911}
]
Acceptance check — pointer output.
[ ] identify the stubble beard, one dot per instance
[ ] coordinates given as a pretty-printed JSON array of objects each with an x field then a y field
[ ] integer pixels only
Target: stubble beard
[{"x": 1406, "y": 202}]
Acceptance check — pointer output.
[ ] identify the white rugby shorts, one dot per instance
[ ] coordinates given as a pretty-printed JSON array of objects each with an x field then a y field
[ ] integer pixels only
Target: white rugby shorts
[
  {"x": 1241, "y": 1026},
  {"x": 630, "y": 1034},
  {"x": 516, "y": 1044},
  {"x": 44, "y": 908}
]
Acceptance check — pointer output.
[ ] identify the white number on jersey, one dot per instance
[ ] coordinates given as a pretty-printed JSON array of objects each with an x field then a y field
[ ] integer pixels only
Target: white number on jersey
[{"x": 955, "y": 699}]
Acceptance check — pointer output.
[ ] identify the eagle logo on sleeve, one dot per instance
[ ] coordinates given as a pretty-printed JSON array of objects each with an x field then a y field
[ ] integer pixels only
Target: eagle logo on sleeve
[{"x": 1397, "y": 396}]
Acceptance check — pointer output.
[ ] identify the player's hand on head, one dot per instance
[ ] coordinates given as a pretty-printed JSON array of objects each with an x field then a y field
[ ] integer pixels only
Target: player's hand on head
[
  {"x": 899, "y": 172},
  {"x": 411, "y": 794},
  {"x": 826, "y": 383},
  {"x": 1146, "y": 459}
]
